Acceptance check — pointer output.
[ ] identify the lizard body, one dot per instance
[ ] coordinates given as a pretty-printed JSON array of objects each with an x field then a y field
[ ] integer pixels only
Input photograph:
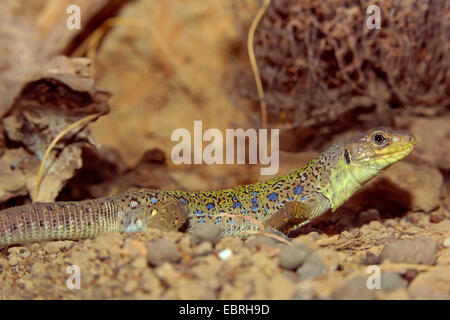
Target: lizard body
[{"x": 284, "y": 203}]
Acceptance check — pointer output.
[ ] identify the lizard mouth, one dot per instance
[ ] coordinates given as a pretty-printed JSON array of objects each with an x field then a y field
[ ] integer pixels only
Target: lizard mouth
[{"x": 400, "y": 153}]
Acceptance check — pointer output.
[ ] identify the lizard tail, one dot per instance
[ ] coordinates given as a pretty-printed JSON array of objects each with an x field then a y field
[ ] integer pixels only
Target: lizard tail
[{"x": 57, "y": 220}]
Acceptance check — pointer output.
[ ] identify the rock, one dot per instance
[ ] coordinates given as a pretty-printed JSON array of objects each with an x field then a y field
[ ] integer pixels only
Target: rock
[
  {"x": 160, "y": 251},
  {"x": 420, "y": 251},
  {"x": 225, "y": 254},
  {"x": 446, "y": 243},
  {"x": 391, "y": 281},
  {"x": 354, "y": 288},
  {"x": 434, "y": 284},
  {"x": 314, "y": 235},
  {"x": 291, "y": 257},
  {"x": 312, "y": 267},
  {"x": 417, "y": 187},
  {"x": 206, "y": 232}
]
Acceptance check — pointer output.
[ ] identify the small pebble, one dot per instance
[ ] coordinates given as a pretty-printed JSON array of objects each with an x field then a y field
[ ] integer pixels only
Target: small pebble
[
  {"x": 447, "y": 243},
  {"x": 293, "y": 256},
  {"x": 259, "y": 242},
  {"x": 206, "y": 232},
  {"x": 314, "y": 235},
  {"x": 160, "y": 251},
  {"x": 225, "y": 254}
]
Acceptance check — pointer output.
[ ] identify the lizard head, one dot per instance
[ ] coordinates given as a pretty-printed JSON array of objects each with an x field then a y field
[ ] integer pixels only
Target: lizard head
[{"x": 358, "y": 159}]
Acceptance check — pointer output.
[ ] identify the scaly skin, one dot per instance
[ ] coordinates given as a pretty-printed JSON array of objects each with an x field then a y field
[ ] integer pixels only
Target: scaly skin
[{"x": 284, "y": 203}]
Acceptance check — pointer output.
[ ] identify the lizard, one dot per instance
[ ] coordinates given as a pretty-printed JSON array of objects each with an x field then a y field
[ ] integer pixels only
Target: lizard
[{"x": 283, "y": 203}]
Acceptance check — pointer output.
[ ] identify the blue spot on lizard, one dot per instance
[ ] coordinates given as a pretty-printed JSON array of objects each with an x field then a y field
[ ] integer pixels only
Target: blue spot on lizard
[
  {"x": 298, "y": 190},
  {"x": 272, "y": 196}
]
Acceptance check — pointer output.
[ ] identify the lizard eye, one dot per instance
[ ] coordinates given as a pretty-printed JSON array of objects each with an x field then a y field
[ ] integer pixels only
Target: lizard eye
[{"x": 378, "y": 139}]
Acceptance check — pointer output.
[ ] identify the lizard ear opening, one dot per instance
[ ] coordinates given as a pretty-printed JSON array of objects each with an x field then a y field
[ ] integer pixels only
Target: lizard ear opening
[{"x": 347, "y": 156}]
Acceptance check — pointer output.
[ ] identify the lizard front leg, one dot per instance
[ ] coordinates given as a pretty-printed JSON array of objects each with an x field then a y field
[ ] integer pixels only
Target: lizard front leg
[{"x": 296, "y": 214}]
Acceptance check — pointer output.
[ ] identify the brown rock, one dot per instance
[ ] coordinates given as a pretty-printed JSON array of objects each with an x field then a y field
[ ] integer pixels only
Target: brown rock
[
  {"x": 291, "y": 257},
  {"x": 314, "y": 235},
  {"x": 206, "y": 232},
  {"x": 446, "y": 242},
  {"x": 417, "y": 187}
]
